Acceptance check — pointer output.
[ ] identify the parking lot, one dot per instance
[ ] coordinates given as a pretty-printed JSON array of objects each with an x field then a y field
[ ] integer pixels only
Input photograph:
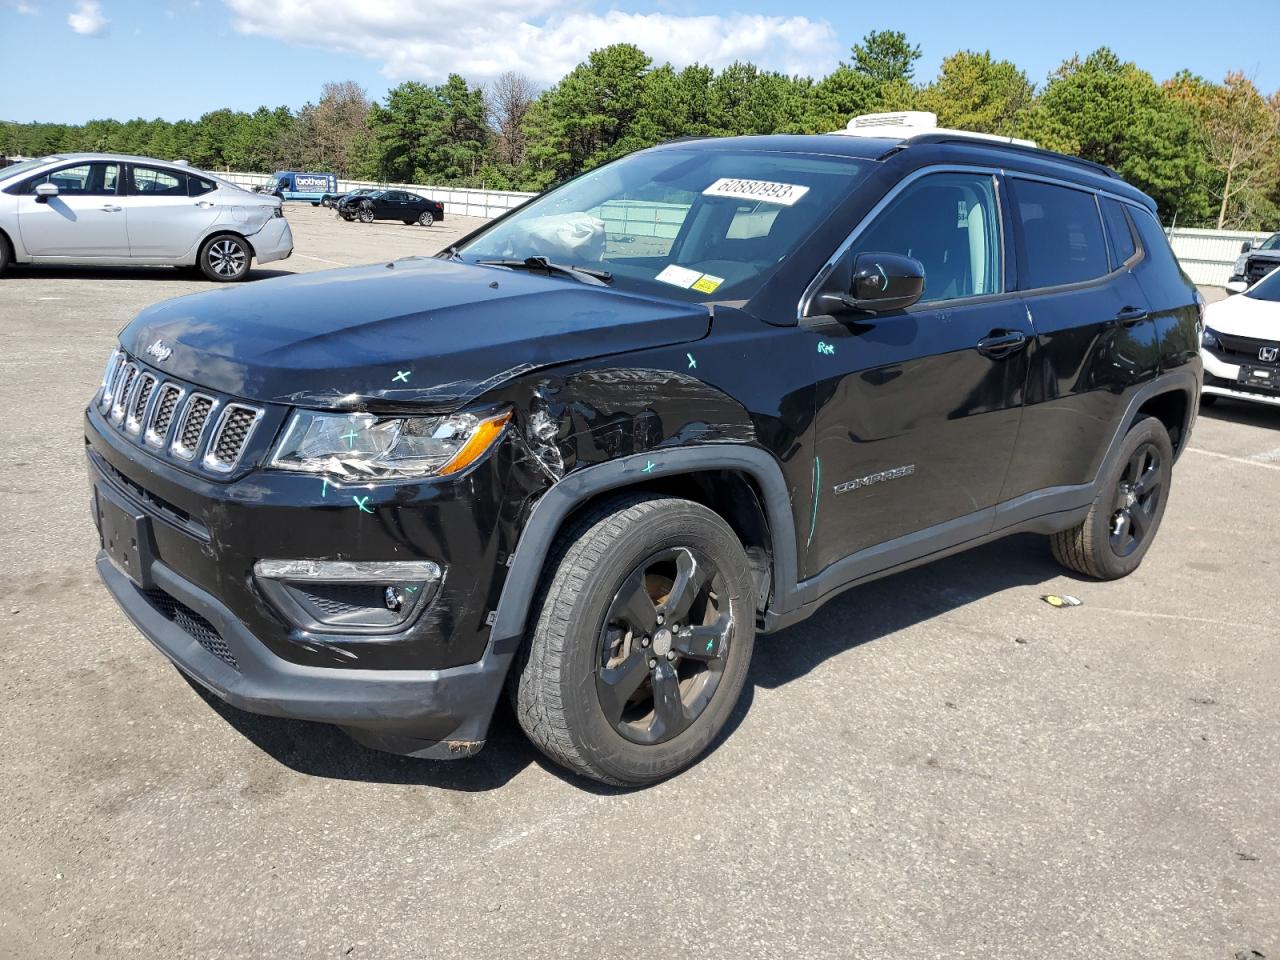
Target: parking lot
[{"x": 938, "y": 765}]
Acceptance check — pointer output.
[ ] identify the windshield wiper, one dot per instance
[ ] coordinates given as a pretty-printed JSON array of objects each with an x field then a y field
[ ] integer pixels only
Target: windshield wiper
[{"x": 596, "y": 278}]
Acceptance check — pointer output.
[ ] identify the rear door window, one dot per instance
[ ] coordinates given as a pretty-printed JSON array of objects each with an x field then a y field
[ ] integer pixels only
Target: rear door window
[
  {"x": 199, "y": 186},
  {"x": 154, "y": 182},
  {"x": 1061, "y": 234}
]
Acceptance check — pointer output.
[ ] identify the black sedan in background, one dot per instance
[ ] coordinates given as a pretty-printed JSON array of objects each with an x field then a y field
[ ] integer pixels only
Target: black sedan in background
[
  {"x": 334, "y": 199},
  {"x": 391, "y": 205}
]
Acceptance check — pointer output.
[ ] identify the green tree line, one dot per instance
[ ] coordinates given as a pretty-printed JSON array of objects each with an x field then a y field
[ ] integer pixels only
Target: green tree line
[{"x": 1207, "y": 151}]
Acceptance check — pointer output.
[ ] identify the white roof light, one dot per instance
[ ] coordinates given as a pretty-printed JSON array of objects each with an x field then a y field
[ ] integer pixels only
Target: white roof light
[{"x": 905, "y": 124}]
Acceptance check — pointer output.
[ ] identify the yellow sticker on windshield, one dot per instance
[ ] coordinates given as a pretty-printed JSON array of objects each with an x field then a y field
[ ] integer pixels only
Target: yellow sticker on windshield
[{"x": 707, "y": 283}]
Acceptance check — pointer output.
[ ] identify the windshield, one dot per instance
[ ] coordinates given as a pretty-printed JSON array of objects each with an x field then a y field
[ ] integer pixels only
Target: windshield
[
  {"x": 695, "y": 224},
  {"x": 1271, "y": 243},
  {"x": 20, "y": 168},
  {"x": 1268, "y": 288}
]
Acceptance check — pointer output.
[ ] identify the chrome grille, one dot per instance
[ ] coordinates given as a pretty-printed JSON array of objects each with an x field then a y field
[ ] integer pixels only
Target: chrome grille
[
  {"x": 138, "y": 405},
  {"x": 162, "y": 416},
  {"x": 194, "y": 417},
  {"x": 199, "y": 428},
  {"x": 114, "y": 363},
  {"x": 120, "y": 396},
  {"x": 230, "y": 436}
]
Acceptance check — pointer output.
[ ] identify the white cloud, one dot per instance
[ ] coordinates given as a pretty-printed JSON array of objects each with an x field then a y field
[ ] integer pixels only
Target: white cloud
[
  {"x": 541, "y": 38},
  {"x": 21, "y": 6},
  {"x": 87, "y": 19}
]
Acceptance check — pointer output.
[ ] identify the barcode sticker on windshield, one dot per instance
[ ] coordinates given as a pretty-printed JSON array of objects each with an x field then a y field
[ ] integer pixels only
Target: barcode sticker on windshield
[{"x": 785, "y": 194}]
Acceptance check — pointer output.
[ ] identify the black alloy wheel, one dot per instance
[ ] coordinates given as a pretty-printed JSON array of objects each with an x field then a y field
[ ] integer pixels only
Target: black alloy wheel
[
  {"x": 1137, "y": 500},
  {"x": 663, "y": 646}
]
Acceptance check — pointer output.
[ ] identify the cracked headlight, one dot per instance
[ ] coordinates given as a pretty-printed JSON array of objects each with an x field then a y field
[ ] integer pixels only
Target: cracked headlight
[{"x": 362, "y": 446}]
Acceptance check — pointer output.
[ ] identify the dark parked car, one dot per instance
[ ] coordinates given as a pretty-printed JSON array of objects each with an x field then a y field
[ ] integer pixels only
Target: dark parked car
[
  {"x": 1254, "y": 263},
  {"x": 592, "y": 450},
  {"x": 334, "y": 200},
  {"x": 391, "y": 205}
]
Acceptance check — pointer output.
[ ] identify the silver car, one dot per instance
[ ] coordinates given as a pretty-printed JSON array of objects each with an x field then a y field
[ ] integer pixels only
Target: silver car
[{"x": 115, "y": 210}]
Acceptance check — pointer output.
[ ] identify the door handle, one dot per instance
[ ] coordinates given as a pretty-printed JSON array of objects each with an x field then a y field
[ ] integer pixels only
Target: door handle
[
  {"x": 111, "y": 208},
  {"x": 1002, "y": 343},
  {"x": 204, "y": 204},
  {"x": 1131, "y": 315}
]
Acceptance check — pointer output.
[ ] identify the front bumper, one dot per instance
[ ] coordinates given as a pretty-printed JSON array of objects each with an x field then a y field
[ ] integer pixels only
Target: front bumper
[
  {"x": 1222, "y": 379},
  {"x": 440, "y": 714}
]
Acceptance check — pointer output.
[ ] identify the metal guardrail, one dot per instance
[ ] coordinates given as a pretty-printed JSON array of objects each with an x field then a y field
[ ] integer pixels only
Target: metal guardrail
[{"x": 461, "y": 201}]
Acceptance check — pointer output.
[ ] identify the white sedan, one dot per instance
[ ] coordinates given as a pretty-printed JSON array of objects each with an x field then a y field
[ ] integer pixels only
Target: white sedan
[
  {"x": 1241, "y": 345},
  {"x": 107, "y": 209}
]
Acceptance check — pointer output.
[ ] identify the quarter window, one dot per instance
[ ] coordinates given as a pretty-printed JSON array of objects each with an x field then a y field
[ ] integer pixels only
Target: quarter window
[
  {"x": 1062, "y": 234},
  {"x": 950, "y": 222},
  {"x": 152, "y": 182},
  {"x": 1118, "y": 229},
  {"x": 84, "y": 180},
  {"x": 198, "y": 186}
]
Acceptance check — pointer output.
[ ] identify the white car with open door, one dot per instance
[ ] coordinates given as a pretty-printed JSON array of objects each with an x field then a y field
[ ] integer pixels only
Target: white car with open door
[
  {"x": 1241, "y": 345},
  {"x": 112, "y": 210}
]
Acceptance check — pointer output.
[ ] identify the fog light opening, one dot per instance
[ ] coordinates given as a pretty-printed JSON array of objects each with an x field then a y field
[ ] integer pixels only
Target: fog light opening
[{"x": 341, "y": 596}]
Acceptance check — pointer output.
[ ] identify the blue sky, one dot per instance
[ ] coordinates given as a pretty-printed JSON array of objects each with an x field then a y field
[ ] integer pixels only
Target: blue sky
[{"x": 79, "y": 59}]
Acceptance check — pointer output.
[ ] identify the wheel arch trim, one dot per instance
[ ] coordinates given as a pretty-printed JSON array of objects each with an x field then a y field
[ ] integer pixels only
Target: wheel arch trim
[{"x": 551, "y": 512}]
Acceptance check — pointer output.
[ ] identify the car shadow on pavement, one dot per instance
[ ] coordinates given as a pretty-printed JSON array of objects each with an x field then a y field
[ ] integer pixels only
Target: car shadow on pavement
[
  {"x": 902, "y": 600},
  {"x": 188, "y": 274},
  {"x": 859, "y": 616},
  {"x": 321, "y": 750},
  {"x": 1243, "y": 412}
]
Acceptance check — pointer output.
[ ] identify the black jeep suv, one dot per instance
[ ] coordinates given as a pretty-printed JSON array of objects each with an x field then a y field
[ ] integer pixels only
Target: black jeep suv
[{"x": 589, "y": 452}]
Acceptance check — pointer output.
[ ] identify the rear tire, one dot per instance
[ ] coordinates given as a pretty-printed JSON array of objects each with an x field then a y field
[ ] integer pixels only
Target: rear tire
[
  {"x": 426, "y": 218},
  {"x": 225, "y": 258},
  {"x": 605, "y": 686},
  {"x": 1122, "y": 523},
  {"x": 6, "y": 254}
]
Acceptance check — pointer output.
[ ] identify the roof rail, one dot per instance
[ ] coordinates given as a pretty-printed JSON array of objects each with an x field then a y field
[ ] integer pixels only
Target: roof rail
[{"x": 1032, "y": 151}]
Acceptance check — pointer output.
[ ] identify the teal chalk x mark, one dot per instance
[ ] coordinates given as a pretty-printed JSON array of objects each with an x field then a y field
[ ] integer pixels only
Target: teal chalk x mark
[
  {"x": 324, "y": 487},
  {"x": 648, "y": 466},
  {"x": 693, "y": 364},
  {"x": 884, "y": 284},
  {"x": 828, "y": 349},
  {"x": 363, "y": 504},
  {"x": 411, "y": 589},
  {"x": 350, "y": 437},
  {"x": 402, "y": 376},
  {"x": 711, "y": 643}
]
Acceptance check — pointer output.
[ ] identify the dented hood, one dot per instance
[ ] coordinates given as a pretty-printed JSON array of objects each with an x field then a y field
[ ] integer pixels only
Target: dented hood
[{"x": 412, "y": 331}]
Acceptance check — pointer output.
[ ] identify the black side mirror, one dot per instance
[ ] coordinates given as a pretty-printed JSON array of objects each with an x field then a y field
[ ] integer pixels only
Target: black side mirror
[
  {"x": 875, "y": 283},
  {"x": 1246, "y": 246}
]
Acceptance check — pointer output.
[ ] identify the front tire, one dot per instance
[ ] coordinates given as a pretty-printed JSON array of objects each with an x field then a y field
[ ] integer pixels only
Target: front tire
[
  {"x": 6, "y": 255},
  {"x": 645, "y": 625},
  {"x": 225, "y": 258},
  {"x": 366, "y": 214},
  {"x": 1112, "y": 540}
]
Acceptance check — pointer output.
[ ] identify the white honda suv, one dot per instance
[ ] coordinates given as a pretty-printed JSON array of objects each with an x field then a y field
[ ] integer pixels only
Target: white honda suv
[
  {"x": 1241, "y": 345},
  {"x": 114, "y": 210}
]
